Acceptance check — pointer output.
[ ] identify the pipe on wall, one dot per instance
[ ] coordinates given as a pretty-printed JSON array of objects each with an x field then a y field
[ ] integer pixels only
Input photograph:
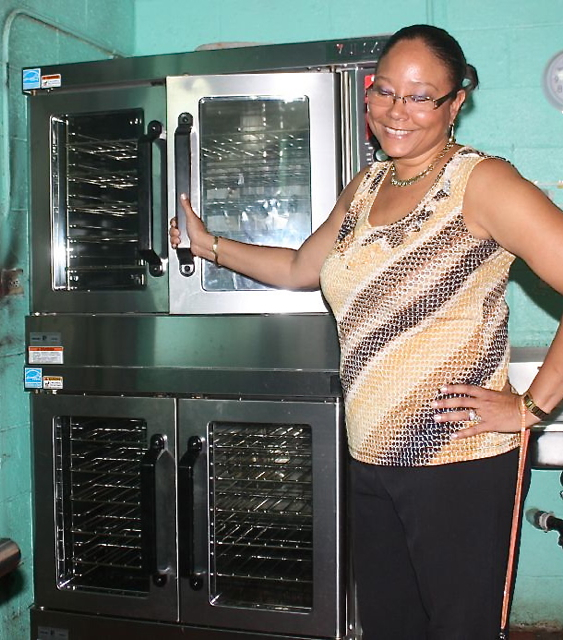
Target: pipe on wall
[
  {"x": 5, "y": 169},
  {"x": 10, "y": 556}
]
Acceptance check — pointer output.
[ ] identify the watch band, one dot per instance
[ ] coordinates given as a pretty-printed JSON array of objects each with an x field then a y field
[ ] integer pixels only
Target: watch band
[{"x": 533, "y": 407}]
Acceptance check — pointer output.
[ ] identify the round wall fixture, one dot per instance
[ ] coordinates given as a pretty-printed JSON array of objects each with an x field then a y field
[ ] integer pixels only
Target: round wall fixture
[{"x": 553, "y": 81}]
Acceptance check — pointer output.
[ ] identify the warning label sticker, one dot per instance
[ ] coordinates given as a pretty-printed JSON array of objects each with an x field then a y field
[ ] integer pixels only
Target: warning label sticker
[
  {"x": 52, "y": 382},
  {"x": 51, "y": 81},
  {"x": 45, "y": 355}
]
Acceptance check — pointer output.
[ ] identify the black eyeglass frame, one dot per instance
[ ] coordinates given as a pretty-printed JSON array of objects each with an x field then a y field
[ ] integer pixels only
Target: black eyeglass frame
[{"x": 438, "y": 102}]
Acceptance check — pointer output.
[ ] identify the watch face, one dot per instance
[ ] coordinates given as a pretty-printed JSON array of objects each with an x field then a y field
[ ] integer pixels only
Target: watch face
[{"x": 553, "y": 80}]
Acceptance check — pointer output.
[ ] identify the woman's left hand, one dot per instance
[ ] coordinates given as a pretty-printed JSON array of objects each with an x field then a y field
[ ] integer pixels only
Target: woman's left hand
[{"x": 482, "y": 409}]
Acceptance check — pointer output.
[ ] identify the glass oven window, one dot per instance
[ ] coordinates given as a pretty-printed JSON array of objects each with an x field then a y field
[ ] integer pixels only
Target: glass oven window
[
  {"x": 98, "y": 504},
  {"x": 261, "y": 537},
  {"x": 94, "y": 201},
  {"x": 255, "y": 176}
]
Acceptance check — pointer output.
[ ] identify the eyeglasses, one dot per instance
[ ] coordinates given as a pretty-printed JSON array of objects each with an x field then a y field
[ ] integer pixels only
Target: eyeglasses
[{"x": 380, "y": 98}]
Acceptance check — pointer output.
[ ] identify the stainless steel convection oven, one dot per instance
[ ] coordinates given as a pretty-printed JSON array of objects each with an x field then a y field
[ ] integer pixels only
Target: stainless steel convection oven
[{"x": 189, "y": 449}]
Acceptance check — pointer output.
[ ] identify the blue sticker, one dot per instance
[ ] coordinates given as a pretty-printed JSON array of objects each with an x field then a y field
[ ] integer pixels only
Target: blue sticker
[
  {"x": 31, "y": 79},
  {"x": 33, "y": 378}
]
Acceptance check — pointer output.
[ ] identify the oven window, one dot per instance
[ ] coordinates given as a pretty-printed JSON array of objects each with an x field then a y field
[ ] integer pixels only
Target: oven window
[
  {"x": 94, "y": 186},
  {"x": 255, "y": 176},
  {"x": 98, "y": 504},
  {"x": 261, "y": 516}
]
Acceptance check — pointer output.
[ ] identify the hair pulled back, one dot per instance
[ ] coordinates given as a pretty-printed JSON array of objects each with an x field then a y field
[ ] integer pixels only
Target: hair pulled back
[{"x": 445, "y": 47}]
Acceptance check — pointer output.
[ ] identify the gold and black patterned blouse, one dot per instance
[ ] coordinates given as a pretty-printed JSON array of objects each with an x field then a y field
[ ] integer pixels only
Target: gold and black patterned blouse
[{"x": 419, "y": 303}]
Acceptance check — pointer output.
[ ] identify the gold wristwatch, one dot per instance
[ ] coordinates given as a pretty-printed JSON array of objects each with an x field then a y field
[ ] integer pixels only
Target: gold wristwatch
[{"x": 533, "y": 407}]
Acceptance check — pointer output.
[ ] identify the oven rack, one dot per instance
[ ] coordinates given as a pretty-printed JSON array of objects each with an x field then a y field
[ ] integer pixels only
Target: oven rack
[
  {"x": 263, "y": 504},
  {"x": 132, "y": 270},
  {"x": 113, "y": 429},
  {"x": 261, "y": 437},
  {"x": 276, "y": 595},
  {"x": 293, "y": 482},
  {"x": 252, "y": 204},
  {"x": 84, "y": 226},
  {"x": 250, "y": 534},
  {"x": 76, "y": 283},
  {"x": 98, "y": 207},
  {"x": 97, "y": 240},
  {"x": 262, "y": 478},
  {"x": 105, "y": 494},
  {"x": 264, "y": 569},
  {"x": 105, "y": 550},
  {"x": 121, "y": 149},
  {"x": 84, "y": 175},
  {"x": 103, "y": 458},
  {"x": 254, "y": 167},
  {"x": 107, "y": 519}
]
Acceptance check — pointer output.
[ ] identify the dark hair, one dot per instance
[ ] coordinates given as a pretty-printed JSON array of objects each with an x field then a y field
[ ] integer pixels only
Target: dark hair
[{"x": 445, "y": 47}]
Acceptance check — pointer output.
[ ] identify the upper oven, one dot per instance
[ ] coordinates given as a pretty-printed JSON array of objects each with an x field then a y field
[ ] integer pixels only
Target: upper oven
[{"x": 258, "y": 154}]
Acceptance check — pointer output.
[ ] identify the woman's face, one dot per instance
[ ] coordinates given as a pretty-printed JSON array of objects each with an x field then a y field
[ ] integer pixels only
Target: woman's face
[{"x": 410, "y": 68}]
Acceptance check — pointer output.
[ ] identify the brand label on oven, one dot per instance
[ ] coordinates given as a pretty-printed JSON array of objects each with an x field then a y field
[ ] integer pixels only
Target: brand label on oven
[
  {"x": 33, "y": 378},
  {"x": 45, "y": 355},
  {"x": 31, "y": 79}
]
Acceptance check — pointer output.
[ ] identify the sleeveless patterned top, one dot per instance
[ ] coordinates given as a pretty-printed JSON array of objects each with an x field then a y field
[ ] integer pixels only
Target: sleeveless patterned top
[{"x": 419, "y": 303}]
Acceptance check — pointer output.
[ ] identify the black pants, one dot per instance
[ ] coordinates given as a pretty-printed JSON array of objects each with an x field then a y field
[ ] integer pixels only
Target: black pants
[{"x": 430, "y": 548}]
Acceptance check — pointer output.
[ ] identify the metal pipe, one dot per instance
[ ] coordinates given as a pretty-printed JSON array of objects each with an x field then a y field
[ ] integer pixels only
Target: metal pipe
[
  {"x": 5, "y": 172},
  {"x": 10, "y": 556}
]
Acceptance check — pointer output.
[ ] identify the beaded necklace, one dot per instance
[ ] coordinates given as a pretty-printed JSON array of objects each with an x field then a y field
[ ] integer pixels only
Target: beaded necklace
[{"x": 396, "y": 182}]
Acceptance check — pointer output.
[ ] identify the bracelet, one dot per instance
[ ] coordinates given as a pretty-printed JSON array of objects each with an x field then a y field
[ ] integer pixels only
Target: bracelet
[
  {"x": 533, "y": 407},
  {"x": 214, "y": 248}
]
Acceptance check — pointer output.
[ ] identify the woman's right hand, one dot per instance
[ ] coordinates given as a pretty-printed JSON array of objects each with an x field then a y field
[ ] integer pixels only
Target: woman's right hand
[{"x": 200, "y": 239}]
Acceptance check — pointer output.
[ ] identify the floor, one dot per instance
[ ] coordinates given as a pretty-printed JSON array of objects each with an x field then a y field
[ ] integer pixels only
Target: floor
[{"x": 521, "y": 634}]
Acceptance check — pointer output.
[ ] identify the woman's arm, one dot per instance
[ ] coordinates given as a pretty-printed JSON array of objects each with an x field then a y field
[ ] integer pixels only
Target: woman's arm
[
  {"x": 279, "y": 267},
  {"x": 500, "y": 204}
]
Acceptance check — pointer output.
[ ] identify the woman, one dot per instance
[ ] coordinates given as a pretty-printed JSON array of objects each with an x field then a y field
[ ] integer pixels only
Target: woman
[{"x": 413, "y": 261}]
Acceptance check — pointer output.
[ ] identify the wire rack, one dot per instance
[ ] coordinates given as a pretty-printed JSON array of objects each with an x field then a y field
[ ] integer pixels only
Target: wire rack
[
  {"x": 262, "y": 515},
  {"x": 97, "y": 488}
]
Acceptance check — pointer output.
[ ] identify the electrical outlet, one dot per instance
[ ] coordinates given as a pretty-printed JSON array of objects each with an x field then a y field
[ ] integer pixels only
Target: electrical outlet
[{"x": 11, "y": 282}]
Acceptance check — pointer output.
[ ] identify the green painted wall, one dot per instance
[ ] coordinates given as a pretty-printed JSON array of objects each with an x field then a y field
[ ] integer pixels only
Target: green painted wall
[
  {"x": 510, "y": 42},
  {"x": 33, "y": 32}
]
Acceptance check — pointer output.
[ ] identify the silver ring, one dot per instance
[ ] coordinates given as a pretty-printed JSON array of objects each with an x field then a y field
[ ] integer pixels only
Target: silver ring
[{"x": 473, "y": 415}]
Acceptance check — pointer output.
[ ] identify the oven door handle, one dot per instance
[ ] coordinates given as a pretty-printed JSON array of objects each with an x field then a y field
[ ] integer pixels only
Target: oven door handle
[
  {"x": 157, "y": 534},
  {"x": 186, "y": 513},
  {"x": 183, "y": 175},
  {"x": 146, "y": 199}
]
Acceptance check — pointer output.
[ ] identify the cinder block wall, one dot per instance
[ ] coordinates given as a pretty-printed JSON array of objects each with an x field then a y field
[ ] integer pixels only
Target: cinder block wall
[
  {"x": 509, "y": 41},
  {"x": 33, "y": 32}
]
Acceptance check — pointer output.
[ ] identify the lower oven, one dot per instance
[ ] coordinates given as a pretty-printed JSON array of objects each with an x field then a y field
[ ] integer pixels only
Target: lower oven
[{"x": 159, "y": 516}]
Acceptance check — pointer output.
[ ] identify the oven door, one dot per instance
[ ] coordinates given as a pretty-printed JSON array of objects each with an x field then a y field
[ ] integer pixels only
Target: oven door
[
  {"x": 98, "y": 201},
  {"x": 258, "y": 155},
  {"x": 104, "y": 505},
  {"x": 261, "y": 515}
]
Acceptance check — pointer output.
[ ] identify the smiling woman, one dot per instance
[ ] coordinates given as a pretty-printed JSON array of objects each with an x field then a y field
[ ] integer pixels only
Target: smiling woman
[{"x": 414, "y": 259}]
